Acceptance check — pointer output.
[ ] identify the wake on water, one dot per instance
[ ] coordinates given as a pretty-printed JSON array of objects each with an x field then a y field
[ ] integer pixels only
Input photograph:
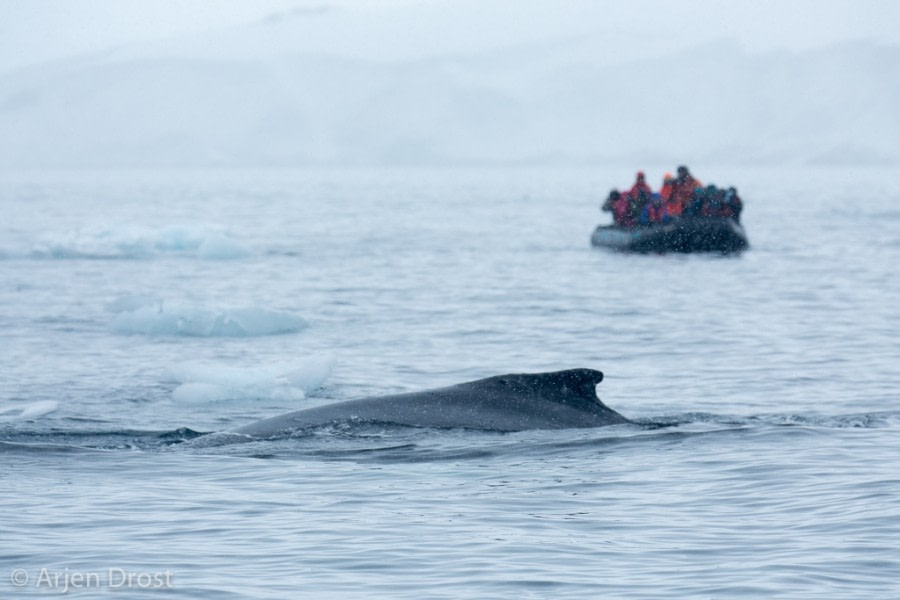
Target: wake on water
[{"x": 379, "y": 441}]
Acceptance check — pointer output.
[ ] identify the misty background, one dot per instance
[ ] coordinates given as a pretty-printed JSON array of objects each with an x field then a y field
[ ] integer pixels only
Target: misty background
[{"x": 101, "y": 84}]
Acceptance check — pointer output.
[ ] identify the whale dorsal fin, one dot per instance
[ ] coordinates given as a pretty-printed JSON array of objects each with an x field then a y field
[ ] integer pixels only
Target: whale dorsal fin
[{"x": 576, "y": 387}]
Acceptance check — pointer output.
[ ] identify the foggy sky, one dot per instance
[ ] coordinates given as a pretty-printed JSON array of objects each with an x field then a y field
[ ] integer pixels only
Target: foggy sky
[{"x": 40, "y": 30}]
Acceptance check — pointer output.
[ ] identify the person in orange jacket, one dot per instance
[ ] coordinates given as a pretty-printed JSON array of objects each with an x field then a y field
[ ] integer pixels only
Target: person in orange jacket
[
  {"x": 668, "y": 184},
  {"x": 673, "y": 207},
  {"x": 682, "y": 190}
]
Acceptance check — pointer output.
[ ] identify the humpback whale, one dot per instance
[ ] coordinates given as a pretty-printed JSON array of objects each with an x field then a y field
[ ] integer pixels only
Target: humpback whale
[{"x": 516, "y": 402}]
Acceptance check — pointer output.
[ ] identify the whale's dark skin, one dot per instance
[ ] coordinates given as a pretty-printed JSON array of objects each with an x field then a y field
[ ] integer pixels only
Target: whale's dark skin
[{"x": 558, "y": 400}]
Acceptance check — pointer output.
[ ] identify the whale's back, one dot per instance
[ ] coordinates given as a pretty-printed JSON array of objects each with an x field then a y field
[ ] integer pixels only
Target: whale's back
[{"x": 516, "y": 402}]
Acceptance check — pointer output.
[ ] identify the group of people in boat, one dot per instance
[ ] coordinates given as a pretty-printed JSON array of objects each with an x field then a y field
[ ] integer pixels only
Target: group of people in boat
[{"x": 681, "y": 196}]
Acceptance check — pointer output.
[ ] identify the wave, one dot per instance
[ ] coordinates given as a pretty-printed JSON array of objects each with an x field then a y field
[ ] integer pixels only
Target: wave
[
  {"x": 873, "y": 420},
  {"x": 40, "y": 442},
  {"x": 195, "y": 241},
  {"x": 361, "y": 440},
  {"x": 149, "y": 316},
  {"x": 384, "y": 441}
]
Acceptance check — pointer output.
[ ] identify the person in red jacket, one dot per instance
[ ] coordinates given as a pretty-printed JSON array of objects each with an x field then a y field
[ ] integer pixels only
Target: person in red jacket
[
  {"x": 654, "y": 211},
  {"x": 620, "y": 207},
  {"x": 640, "y": 185}
]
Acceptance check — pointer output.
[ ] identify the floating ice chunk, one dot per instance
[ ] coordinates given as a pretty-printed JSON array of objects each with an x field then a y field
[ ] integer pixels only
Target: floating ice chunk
[
  {"x": 126, "y": 242},
  {"x": 255, "y": 321},
  {"x": 122, "y": 243},
  {"x": 176, "y": 238},
  {"x": 221, "y": 247},
  {"x": 204, "y": 393},
  {"x": 205, "y": 322},
  {"x": 27, "y": 411},
  {"x": 202, "y": 384},
  {"x": 132, "y": 302}
]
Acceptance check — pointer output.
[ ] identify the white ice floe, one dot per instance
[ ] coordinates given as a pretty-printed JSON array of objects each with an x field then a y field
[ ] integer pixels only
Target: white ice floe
[
  {"x": 287, "y": 381},
  {"x": 133, "y": 242},
  {"x": 150, "y": 316},
  {"x": 26, "y": 411}
]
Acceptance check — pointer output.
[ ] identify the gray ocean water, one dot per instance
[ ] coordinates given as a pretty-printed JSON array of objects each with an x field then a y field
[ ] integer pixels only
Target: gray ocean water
[{"x": 139, "y": 310}]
